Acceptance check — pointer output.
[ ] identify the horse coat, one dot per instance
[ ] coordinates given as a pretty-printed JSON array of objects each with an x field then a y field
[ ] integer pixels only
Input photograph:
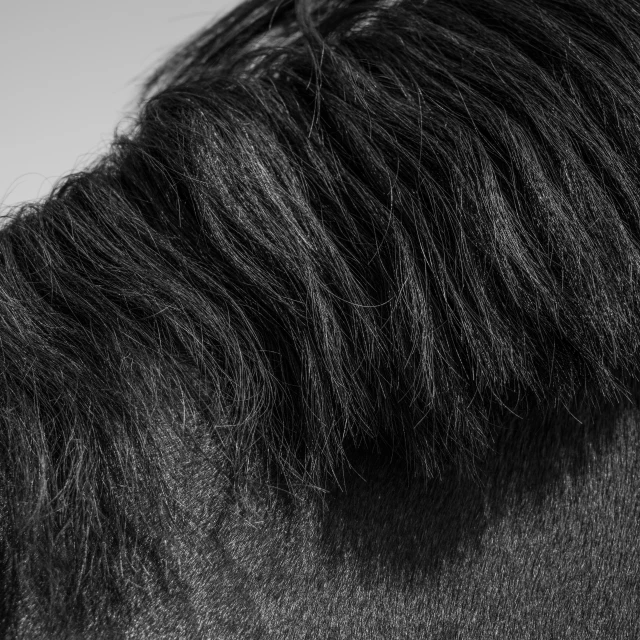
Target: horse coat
[{"x": 340, "y": 339}]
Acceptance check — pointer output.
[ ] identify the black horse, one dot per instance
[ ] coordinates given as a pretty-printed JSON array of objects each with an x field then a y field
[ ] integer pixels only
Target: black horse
[{"x": 341, "y": 339}]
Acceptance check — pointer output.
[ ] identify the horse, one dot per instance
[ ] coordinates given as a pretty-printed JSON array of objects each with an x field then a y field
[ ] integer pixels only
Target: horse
[{"x": 340, "y": 338}]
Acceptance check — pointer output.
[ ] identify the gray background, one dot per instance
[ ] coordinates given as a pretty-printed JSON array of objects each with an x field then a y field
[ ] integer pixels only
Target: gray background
[{"x": 69, "y": 73}]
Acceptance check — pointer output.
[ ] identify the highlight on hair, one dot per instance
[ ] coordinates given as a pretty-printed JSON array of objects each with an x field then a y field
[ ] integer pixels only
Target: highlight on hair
[{"x": 333, "y": 226}]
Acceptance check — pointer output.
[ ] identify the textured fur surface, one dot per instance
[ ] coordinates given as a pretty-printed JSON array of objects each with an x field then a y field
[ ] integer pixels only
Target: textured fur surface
[{"x": 340, "y": 340}]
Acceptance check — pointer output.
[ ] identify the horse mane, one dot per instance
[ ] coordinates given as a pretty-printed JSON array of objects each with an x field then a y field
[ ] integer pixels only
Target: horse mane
[{"x": 335, "y": 226}]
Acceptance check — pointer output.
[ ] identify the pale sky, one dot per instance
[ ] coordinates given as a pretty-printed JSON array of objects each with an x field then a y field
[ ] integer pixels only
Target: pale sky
[{"x": 69, "y": 73}]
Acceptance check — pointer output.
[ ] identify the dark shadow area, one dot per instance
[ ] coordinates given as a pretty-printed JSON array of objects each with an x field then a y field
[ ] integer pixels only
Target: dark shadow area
[{"x": 406, "y": 528}]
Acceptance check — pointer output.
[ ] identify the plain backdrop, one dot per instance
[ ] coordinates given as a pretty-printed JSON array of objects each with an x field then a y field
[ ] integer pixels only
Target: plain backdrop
[{"x": 69, "y": 73}]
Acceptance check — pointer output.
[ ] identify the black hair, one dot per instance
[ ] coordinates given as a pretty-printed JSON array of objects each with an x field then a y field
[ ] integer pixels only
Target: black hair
[{"x": 334, "y": 226}]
